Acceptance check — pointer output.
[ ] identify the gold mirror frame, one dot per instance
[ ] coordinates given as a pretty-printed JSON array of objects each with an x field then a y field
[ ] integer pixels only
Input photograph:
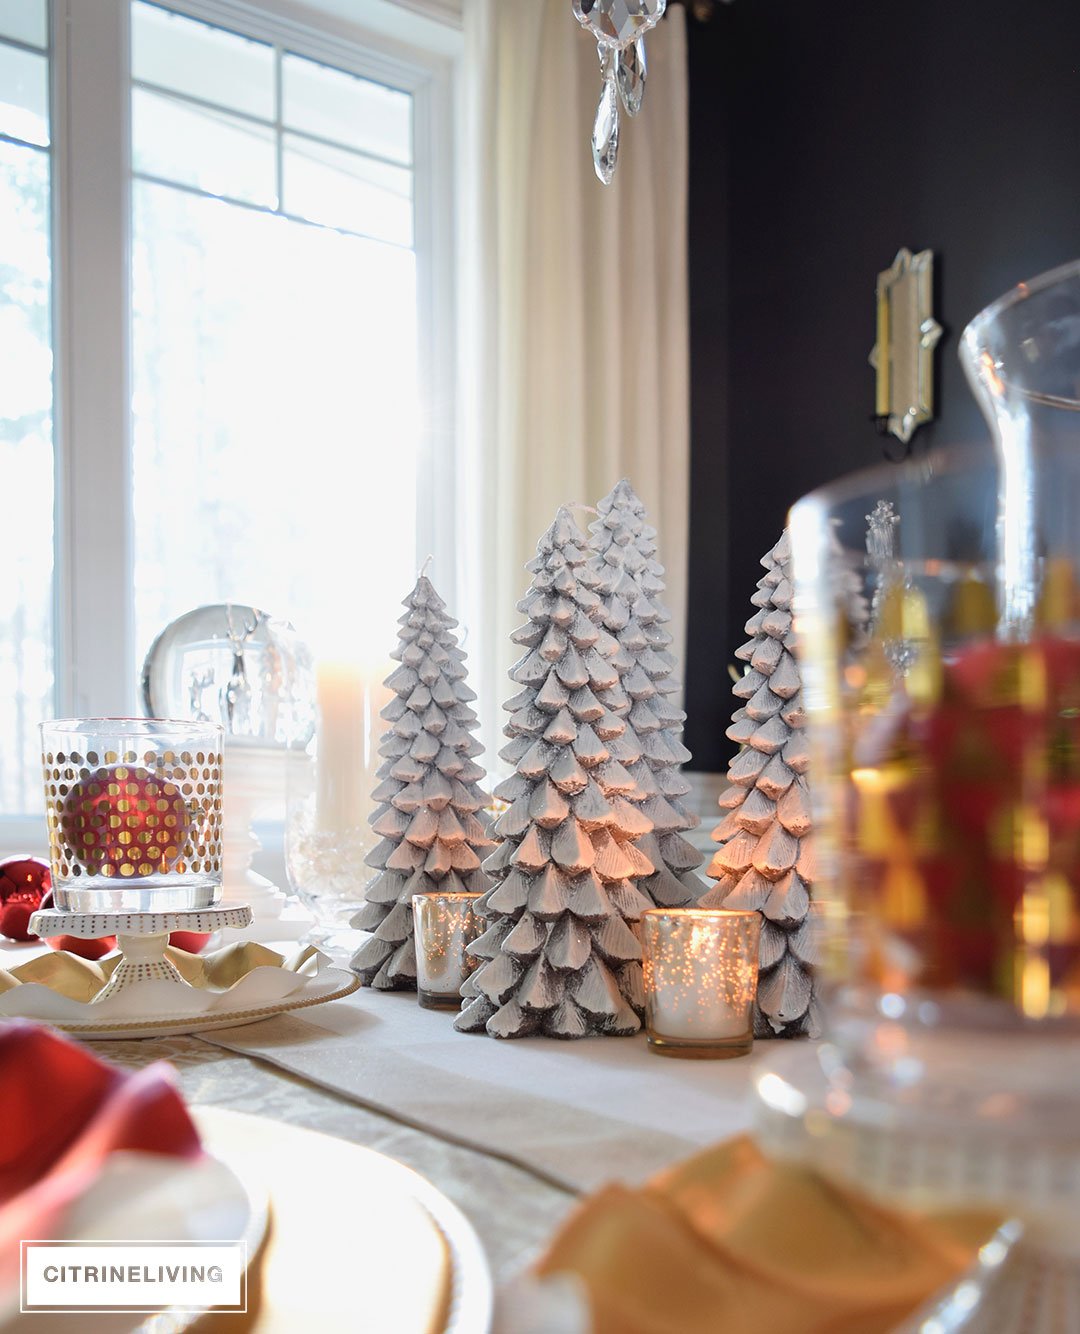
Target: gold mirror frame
[{"x": 907, "y": 334}]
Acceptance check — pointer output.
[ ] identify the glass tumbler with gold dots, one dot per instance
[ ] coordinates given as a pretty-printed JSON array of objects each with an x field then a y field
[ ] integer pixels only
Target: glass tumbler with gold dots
[{"x": 134, "y": 813}]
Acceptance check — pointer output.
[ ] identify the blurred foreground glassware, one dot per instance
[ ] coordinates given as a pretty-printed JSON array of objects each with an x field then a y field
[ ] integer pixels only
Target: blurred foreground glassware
[
  {"x": 946, "y": 743},
  {"x": 949, "y": 742},
  {"x": 445, "y": 925},
  {"x": 701, "y": 970},
  {"x": 946, "y": 774},
  {"x": 134, "y": 813}
]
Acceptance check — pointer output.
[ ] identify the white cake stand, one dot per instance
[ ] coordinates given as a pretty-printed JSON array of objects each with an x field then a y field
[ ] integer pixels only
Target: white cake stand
[
  {"x": 146, "y": 996},
  {"x": 141, "y": 937}
]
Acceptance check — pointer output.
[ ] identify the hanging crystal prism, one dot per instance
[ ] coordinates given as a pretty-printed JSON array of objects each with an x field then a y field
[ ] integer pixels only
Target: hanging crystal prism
[
  {"x": 630, "y": 74},
  {"x": 619, "y": 27},
  {"x": 605, "y": 135},
  {"x": 619, "y": 23}
]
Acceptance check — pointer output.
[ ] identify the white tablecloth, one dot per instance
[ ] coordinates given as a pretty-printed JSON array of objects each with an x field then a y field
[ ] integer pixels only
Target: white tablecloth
[
  {"x": 512, "y": 1132},
  {"x": 575, "y": 1114}
]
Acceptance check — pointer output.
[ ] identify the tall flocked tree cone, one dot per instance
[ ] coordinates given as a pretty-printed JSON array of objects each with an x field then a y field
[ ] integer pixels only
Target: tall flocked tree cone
[
  {"x": 631, "y": 585},
  {"x": 765, "y": 860},
  {"x": 559, "y": 954},
  {"x": 433, "y": 835}
]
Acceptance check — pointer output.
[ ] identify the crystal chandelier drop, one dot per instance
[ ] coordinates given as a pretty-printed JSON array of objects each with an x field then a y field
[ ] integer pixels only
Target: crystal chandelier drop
[{"x": 619, "y": 27}]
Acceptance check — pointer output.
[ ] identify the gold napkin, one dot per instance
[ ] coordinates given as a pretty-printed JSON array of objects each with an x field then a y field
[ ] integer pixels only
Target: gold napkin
[
  {"x": 730, "y": 1240},
  {"x": 67, "y": 974},
  {"x": 81, "y": 979},
  {"x": 225, "y": 967}
]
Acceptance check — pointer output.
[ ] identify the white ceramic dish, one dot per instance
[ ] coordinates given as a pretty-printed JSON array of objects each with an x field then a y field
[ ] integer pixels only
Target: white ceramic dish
[{"x": 156, "y": 1021}]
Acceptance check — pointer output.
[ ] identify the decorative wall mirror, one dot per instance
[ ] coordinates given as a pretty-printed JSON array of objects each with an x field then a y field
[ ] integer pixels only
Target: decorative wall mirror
[{"x": 907, "y": 334}]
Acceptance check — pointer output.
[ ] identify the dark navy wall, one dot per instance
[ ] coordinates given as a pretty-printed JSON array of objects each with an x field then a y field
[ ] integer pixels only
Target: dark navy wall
[{"x": 824, "y": 136}]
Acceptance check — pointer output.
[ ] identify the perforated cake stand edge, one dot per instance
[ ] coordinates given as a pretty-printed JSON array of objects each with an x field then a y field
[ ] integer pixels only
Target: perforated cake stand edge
[{"x": 141, "y": 937}]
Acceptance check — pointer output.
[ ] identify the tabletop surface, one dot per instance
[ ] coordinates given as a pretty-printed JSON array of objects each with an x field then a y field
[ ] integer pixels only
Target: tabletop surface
[
  {"x": 512, "y": 1210},
  {"x": 377, "y": 1071}
]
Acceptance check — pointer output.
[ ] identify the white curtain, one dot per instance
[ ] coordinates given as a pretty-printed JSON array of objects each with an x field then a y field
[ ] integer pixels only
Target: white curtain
[{"x": 573, "y": 350}]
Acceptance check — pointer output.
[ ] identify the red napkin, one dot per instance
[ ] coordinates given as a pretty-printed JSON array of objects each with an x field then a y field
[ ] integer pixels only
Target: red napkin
[{"x": 64, "y": 1113}]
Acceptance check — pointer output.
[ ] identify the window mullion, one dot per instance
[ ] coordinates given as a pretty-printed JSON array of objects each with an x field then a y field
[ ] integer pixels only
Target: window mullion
[
  {"x": 92, "y": 182},
  {"x": 279, "y": 137},
  {"x": 433, "y": 167}
]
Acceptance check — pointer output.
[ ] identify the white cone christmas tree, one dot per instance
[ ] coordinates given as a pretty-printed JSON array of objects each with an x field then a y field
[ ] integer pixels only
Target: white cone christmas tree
[
  {"x": 630, "y": 584},
  {"x": 765, "y": 860},
  {"x": 560, "y": 957},
  {"x": 433, "y": 835}
]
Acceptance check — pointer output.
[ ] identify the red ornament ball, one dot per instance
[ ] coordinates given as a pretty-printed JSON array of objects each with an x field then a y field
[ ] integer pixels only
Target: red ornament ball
[
  {"x": 24, "y": 882},
  {"x": 190, "y": 941},
  {"x": 125, "y": 821},
  {"x": 15, "y": 922},
  {"x": 85, "y": 949}
]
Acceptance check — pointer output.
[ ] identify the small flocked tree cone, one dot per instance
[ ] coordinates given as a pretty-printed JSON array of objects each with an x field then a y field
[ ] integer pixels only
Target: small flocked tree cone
[
  {"x": 430, "y": 811},
  {"x": 631, "y": 585},
  {"x": 765, "y": 860},
  {"x": 559, "y": 953}
]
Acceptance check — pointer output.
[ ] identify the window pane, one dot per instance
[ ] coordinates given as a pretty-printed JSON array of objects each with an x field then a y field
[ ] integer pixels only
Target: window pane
[
  {"x": 26, "y": 467},
  {"x": 209, "y": 150},
  {"x": 25, "y": 21},
  {"x": 346, "y": 109},
  {"x": 205, "y": 62},
  {"x": 275, "y": 392},
  {"x": 24, "y": 95},
  {"x": 344, "y": 189}
]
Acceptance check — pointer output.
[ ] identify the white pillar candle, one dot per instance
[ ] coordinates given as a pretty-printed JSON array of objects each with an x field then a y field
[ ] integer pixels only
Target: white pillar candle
[
  {"x": 349, "y": 699},
  {"x": 701, "y": 970}
]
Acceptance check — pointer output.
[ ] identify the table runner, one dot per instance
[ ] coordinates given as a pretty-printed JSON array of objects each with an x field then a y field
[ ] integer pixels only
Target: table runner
[{"x": 577, "y": 1114}]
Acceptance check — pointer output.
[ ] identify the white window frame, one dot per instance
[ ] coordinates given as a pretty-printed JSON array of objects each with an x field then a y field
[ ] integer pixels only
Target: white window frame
[{"x": 415, "y": 45}]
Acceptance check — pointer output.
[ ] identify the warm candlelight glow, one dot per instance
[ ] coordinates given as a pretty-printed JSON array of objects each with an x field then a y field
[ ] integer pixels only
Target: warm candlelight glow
[
  {"x": 445, "y": 924},
  {"x": 701, "y": 968}
]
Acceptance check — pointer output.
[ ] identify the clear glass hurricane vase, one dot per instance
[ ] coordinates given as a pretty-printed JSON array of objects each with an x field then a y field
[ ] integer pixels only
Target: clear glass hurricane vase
[{"x": 942, "y": 682}]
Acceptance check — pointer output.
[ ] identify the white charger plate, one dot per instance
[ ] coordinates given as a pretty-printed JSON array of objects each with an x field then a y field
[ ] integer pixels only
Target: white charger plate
[
  {"x": 156, "y": 1008},
  {"x": 337, "y": 1203},
  {"x": 331, "y": 984}
]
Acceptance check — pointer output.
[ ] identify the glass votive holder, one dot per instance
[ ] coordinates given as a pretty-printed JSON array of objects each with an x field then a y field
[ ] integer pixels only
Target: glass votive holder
[
  {"x": 701, "y": 971},
  {"x": 133, "y": 807},
  {"x": 444, "y": 925}
]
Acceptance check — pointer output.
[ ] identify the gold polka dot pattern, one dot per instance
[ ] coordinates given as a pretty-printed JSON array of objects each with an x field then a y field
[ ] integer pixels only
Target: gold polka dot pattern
[{"x": 136, "y": 815}]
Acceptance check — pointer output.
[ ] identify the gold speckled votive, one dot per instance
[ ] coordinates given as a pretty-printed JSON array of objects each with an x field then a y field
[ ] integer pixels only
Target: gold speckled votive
[
  {"x": 444, "y": 925},
  {"x": 701, "y": 970}
]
